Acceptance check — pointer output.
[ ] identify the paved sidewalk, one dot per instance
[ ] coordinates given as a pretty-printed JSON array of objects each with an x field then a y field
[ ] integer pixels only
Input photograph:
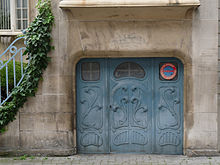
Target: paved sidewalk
[{"x": 119, "y": 159}]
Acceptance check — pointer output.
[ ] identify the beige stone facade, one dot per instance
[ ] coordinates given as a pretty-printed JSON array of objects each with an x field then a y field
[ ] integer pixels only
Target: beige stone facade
[{"x": 47, "y": 122}]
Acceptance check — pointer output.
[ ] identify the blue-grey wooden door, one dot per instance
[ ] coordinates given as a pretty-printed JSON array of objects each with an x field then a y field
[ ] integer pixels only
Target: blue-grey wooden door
[
  {"x": 92, "y": 116},
  {"x": 125, "y": 105},
  {"x": 130, "y": 85},
  {"x": 168, "y": 109}
]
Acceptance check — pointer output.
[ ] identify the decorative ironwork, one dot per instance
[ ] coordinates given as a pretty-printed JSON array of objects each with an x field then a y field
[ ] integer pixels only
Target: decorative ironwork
[{"x": 14, "y": 53}]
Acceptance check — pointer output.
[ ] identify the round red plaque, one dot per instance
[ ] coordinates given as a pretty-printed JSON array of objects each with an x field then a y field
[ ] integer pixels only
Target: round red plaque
[{"x": 168, "y": 71}]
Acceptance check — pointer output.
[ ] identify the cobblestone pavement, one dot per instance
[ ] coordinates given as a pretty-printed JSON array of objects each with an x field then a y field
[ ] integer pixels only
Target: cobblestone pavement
[{"x": 119, "y": 159}]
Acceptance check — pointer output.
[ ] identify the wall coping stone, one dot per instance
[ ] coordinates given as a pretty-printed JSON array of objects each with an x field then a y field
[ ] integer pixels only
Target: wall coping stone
[{"x": 127, "y": 3}]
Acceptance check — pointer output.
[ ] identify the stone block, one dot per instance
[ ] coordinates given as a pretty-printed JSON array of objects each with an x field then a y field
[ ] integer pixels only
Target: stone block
[
  {"x": 218, "y": 34},
  {"x": 218, "y": 67},
  {"x": 33, "y": 104},
  {"x": 206, "y": 122},
  {"x": 208, "y": 9},
  {"x": 201, "y": 140},
  {"x": 46, "y": 140},
  {"x": 10, "y": 139},
  {"x": 51, "y": 85},
  {"x": 218, "y": 89},
  {"x": 48, "y": 103},
  {"x": 207, "y": 27},
  {"x": 64, "y": 121},
  {"x": 57, "y": 85},
  {"x": 219, "y": 52},
  {"x": 66, "y": 85},
  {"x": 53, "y": 68},
  {"x": 57, "y": 103},
  {"x": 218, "y": 100},
  {"x": 205, "y": 100},
  {"x": 38, "y": 122}
]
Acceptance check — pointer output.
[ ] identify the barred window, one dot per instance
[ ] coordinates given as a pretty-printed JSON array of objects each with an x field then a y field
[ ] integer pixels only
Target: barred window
[
  {"x": 129, "y": 69},
  {"x": 5, "y": 15},
  {"x": 13, "y": 15},
  {"x": 90, "y": 71},
  {"x": 21, "y": 14}
]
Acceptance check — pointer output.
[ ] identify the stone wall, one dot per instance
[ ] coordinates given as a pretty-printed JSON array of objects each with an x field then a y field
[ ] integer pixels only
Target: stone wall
[
  {"x": 203, "y": 134},
  {"x": 218, "y": 74},
  {"x": 46, "y": 124}
]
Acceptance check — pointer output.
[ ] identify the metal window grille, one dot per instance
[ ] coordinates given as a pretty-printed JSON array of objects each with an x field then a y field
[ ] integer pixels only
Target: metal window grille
[
  {"x": 21, "y": 14},
  {"x": 129, "y": 69},
  {"x": 5, "y": 14},
  {"x": 90, "y": 71}
]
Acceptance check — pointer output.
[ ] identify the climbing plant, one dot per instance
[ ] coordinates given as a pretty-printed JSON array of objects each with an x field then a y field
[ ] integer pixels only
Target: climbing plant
[{"x": 38, "y": 44}]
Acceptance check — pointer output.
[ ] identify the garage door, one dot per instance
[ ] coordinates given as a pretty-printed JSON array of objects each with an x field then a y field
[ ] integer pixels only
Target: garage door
[{"x": 130, "y": 105}]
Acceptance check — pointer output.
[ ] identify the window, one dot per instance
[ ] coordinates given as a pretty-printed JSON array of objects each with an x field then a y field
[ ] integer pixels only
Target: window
[
  {"x": 13, "y": 16},
  {"x": 90, "y": 71},
  {"x": 5, "y": 15},
  {"x": 129, "y": 69}
]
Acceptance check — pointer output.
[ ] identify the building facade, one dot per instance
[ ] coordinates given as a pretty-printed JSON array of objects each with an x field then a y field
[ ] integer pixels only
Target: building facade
[{"x": 125, "y": 76}]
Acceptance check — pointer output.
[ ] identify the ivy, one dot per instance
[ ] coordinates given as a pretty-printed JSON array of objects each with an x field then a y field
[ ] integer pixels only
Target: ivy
[{"x": 38, "y": 44}]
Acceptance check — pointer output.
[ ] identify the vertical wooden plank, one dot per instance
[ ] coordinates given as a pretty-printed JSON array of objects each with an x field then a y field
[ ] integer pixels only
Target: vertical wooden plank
[
  {"x": 169, "y": 109},
  {"x": 91, "y": 108}
]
